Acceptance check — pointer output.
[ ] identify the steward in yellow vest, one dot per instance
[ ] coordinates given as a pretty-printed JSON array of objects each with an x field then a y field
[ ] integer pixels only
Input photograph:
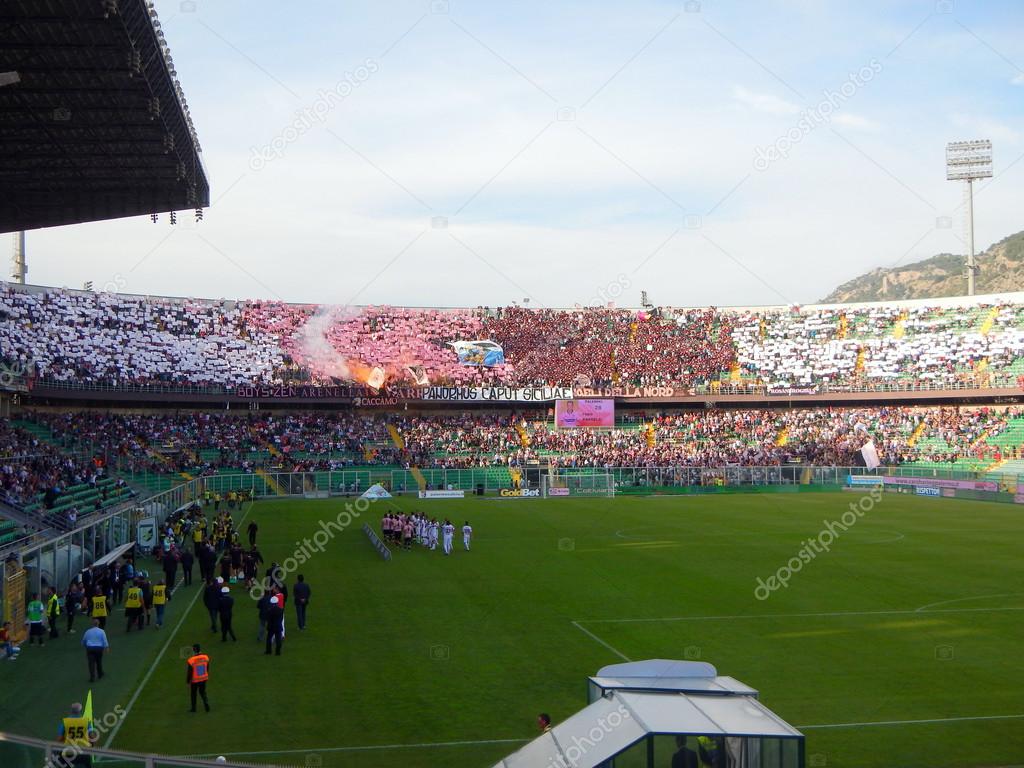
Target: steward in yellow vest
[
  {"x": 99, "y": 608},
  {"x": 52, "y": 612},
  {"x": 134, "y": 610},
  {"x": 77, "y": 731},
  {"x": 159, "y": 602}
]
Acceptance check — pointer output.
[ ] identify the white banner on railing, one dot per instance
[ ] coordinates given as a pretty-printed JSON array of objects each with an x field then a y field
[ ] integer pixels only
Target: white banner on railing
[{"x": 496, "y": 394}]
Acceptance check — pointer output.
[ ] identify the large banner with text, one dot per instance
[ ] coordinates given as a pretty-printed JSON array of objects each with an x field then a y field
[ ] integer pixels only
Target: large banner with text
[{"x": 584, "y": 413}]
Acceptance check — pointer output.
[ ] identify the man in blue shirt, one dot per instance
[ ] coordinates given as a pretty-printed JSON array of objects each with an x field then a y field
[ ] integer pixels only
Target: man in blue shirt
[{"x": 95, "y": 642}]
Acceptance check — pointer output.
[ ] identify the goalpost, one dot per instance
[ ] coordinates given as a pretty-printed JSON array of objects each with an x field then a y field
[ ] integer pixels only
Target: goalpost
[{"x": 598, "y": 482}]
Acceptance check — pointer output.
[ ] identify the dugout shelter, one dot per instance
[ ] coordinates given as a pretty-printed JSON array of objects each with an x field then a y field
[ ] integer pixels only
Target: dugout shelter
[{"x": 641, "y": 713}]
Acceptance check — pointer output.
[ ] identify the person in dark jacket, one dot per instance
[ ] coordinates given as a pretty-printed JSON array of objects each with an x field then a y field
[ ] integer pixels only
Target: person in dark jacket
[
  {"x": 170, "y": 563},
  {"x": 251, "y": 561},
  {"x": 211, "y": 599},
  {"x": 301, "y": 595},
  {"x": 684, "y": 756},
  {"x": 262, "y": 606},
  {"x": 116, "y": 580},
  {"x": 147, "y": 596},
  {"x": 275, "y": 626},
  {"x": 187, "y": 560},
  {"x": 207, "y": 561},
  {"x": 225, "y": 608}
]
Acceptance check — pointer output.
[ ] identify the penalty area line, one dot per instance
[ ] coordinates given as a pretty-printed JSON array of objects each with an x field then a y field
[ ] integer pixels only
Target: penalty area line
[
  {"x": 159, "y": 656},
  {"x": 365, "y": 748},
  {"x": 591, "y": 635},
  {"x": 744, "y": 617},
  {"x": 483, "y": 742},
  {"x": 929, "y": 721}
]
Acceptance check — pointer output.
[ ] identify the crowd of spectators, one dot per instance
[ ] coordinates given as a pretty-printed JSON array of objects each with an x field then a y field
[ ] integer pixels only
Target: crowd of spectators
[
  {"x": 33, "y": 470},
  {"x": 77, "y": 336},
  {"x": 882, "y": 344},
  {"x": 204, "y": 442},
  {"x": 601, "y": 347},
  {"x": 86, "y": 337},
  {"x": 823, "y": 436},
  {"x": 324, "y": 344}
]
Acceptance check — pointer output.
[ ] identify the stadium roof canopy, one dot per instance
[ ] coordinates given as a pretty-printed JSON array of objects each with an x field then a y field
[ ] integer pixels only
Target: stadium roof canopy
[{"x": 93, "y": 123}]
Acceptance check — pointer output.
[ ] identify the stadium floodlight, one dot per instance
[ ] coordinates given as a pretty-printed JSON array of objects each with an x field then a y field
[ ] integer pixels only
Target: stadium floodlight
[
  {"x": 19, "y": 267},
  {"x": 967, "y": 161}
]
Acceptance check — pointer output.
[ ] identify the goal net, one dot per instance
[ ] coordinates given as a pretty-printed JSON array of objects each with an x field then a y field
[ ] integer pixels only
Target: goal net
[{"x": 599, "y": 483}]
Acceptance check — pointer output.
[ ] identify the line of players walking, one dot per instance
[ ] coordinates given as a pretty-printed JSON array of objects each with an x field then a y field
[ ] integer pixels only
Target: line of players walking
[{"x": 404, "y": 530}]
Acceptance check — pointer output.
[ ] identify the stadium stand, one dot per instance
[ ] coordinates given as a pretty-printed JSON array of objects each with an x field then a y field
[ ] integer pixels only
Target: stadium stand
[
  {"x": 202, "y": 443},
  {"x": 76, "y": 337},
  {"x": 54, "y": 486}
]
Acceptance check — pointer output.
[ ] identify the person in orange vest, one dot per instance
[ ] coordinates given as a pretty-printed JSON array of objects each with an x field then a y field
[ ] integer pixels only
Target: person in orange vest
[{"x": 198, "y": 672}]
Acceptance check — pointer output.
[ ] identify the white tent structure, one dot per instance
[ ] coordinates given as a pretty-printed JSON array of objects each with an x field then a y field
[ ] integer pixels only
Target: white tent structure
[
  {"x": 376, "y": 491},
  {"x": 641, "y": 713}
]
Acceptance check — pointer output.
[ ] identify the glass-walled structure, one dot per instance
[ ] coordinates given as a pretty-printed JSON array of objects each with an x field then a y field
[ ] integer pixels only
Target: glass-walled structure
[{"x": 645, "y": 714}]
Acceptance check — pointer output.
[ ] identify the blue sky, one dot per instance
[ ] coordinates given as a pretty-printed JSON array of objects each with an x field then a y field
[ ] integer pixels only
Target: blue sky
[{"x": 483, "y": 152}]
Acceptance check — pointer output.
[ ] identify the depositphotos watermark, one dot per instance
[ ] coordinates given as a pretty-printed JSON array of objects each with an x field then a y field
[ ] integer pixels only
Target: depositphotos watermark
[
  {"x": 307, "y": 118},
  {"x": 827, "y": 536},
  {"x": 15, "y": 371},
  {"x": 311, "y": 545},
  {"x": 816, "y": 116},
  {"x": 610, "y": 292},
  {"x": 573, "y": 753}
]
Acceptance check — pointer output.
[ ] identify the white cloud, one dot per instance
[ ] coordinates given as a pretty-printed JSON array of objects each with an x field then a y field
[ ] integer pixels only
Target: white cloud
[
  {"x": 986, "y": 128},
  {"x": 671, "y": 134},
  {"x": 856, "y": 122},
  {"x": 764, "y": 102}
]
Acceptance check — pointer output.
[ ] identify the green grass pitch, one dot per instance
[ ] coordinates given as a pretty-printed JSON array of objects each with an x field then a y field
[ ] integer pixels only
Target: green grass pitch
[{"x": 916, "y": 614}]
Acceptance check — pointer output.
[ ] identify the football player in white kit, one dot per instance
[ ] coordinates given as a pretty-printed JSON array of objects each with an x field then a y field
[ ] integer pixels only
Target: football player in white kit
[
  {"x": 433, "y": 534},
  {"x": 448, "y": 531},
  {"x": 467, "y": 534}
]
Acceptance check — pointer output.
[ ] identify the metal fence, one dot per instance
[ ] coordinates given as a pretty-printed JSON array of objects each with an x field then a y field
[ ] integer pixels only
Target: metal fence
[
  {"x": 992, "y": 380},
  {"x": 778, "y": 475},
  {"x": 493, "y": 479},
  {"x": 52, "y": 560},
  {"x": 25, "y": 752},
  {"x": 355, "y": 481}
]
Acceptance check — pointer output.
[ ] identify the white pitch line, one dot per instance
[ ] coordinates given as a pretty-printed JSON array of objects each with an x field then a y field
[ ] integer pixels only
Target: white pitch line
[
  {"x": 910, "y": 722},
  {"x": 924, "y": 608},
  {"x": 899, "y": 537},
  {"x": 741, "y": 617},
  {"x": 586, "y": 631},
  {"x": 152, "y": 668},
  {"x": 424, "y": 745},
  {"x": 368, "y": 747}
]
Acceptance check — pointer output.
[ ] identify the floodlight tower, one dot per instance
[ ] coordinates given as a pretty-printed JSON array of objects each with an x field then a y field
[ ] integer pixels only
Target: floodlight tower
[
  {"x": 967, "y": 161},
  {"x": 18, "y": 268}
]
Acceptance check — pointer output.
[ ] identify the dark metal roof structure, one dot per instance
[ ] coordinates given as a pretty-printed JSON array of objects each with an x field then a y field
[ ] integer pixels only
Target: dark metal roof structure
[{"x": 93, "y": 124}]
